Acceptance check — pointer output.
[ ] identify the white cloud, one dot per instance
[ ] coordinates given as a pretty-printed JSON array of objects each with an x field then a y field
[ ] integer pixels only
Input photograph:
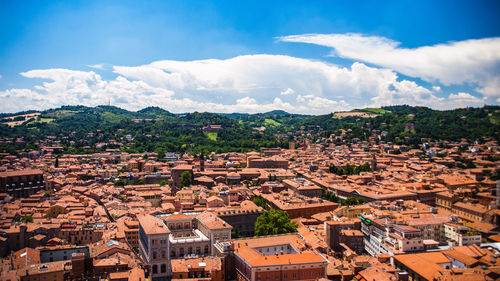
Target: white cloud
[
  {"x": 254, "y": 83},
  {"x": 288, "y": 91},
  {"x": 96, "y": 66},
  {"x": 469, "y": 61}
]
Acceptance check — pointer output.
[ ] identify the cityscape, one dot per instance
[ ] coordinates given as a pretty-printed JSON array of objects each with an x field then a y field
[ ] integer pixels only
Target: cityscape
[{"x": 249, "y": 141}]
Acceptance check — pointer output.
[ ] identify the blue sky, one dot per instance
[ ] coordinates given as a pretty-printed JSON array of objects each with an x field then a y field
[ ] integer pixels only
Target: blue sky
[{"x": 249, "y": 55}]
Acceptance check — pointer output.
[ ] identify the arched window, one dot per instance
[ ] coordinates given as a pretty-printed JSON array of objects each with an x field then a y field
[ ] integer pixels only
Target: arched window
[
  {"x": 154, "y": 255},
  {"x": 155, "y": 269}
]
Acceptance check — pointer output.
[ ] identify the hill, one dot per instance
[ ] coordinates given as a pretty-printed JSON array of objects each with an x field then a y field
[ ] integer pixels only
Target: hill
[
  {"x": 415, "y": 122},
  {"x": 89, "y": 129}
]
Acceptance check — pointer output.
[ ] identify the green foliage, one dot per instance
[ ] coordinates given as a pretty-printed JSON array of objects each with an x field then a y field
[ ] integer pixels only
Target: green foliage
[
  {"x": 163, "y": 183},
  {"x": 492, "y": 158},
  {"x": 80, "y": 128},
  {"x": 349, "y": 169},
  {"x": 261, "y": 202},
  {"x": 163, "y": 132},
  {"x": 274, "y": 222},
  {"x": 271, "y": 123},
  {"x": 330, "y": 196},
  {"x": 235, "y": 233},
  {"x": 185, "y": 179},
  {"x": 494, "y": 176},
  {"x": 272, "y": 177},
  {"x": 374, "y": 110},
  {"x": 353, "y": 201},
  {"x": 86, "y": 177},
  {"x": 27, "y": 219},
  {"x": 119, "y": 182},
  {"x": 138, "y": 182},
  {"x": 211, "y": 136},
  {"x": 464, "y": 163}
]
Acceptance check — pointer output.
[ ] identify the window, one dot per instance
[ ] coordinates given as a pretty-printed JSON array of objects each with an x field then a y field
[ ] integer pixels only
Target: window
[
  {"x": 155, "y": 269},
  {"x": 163, "y": 268},
  {"x": 154, "y": 255}
]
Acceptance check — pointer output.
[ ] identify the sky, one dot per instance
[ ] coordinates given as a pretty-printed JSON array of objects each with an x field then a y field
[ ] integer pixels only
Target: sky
[{"x": 310, "y": 57}]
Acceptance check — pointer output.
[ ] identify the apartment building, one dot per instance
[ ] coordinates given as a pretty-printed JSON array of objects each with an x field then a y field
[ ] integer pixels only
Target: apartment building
[{"x": 21, "y": 183}]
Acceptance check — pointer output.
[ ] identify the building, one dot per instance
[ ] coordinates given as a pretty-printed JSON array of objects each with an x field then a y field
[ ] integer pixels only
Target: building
[
  {"x": 352, "y": 239},
  {"x": 61, "y": 252},
  {"x": 445, "y": 200},
  {"x": 461, "y": 235},
  {"x": 353, "y": 212},
  {"x": 267, "y": 162},
  {"x": 21, "y": 183},
  {"x": 333, "y": 231},
  {"x": 279, "y": 257},
  {"x": 131, "y": 229},
  {"x": 154, "y": 245},
  {"x": 242, "y": 220},
  {"x": 208, "y": 268},
  {"x": 55, "y": 271},
  {"x": 185, "y": 239},
  {"x": 177, "y": 172},
  {"x": 214, "y": 228},
  {"x": 297, "y": 207},
  {"x": 430, "y": 228},
  {"x": 179, "y": 236},
  {"x": 303, "y": 187},
  {"x": 469, "y": 211}
]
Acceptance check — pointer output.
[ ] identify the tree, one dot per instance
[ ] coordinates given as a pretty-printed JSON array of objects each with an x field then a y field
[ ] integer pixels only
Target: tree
[
  {"x": 261, "y": 202},
  {"x": 27, "y": 219},
  {"x": 274, "y": 222},
  {"x": 235, "y": 233},
  {"x": 185, "y": 179}
]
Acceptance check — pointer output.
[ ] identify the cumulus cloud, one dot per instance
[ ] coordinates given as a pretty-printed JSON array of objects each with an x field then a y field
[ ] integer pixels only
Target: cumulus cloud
[
  {"x": 288, "y": 91},
  {"x": 253, "y": 83},
  {"x": 470, "y": 61}
]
